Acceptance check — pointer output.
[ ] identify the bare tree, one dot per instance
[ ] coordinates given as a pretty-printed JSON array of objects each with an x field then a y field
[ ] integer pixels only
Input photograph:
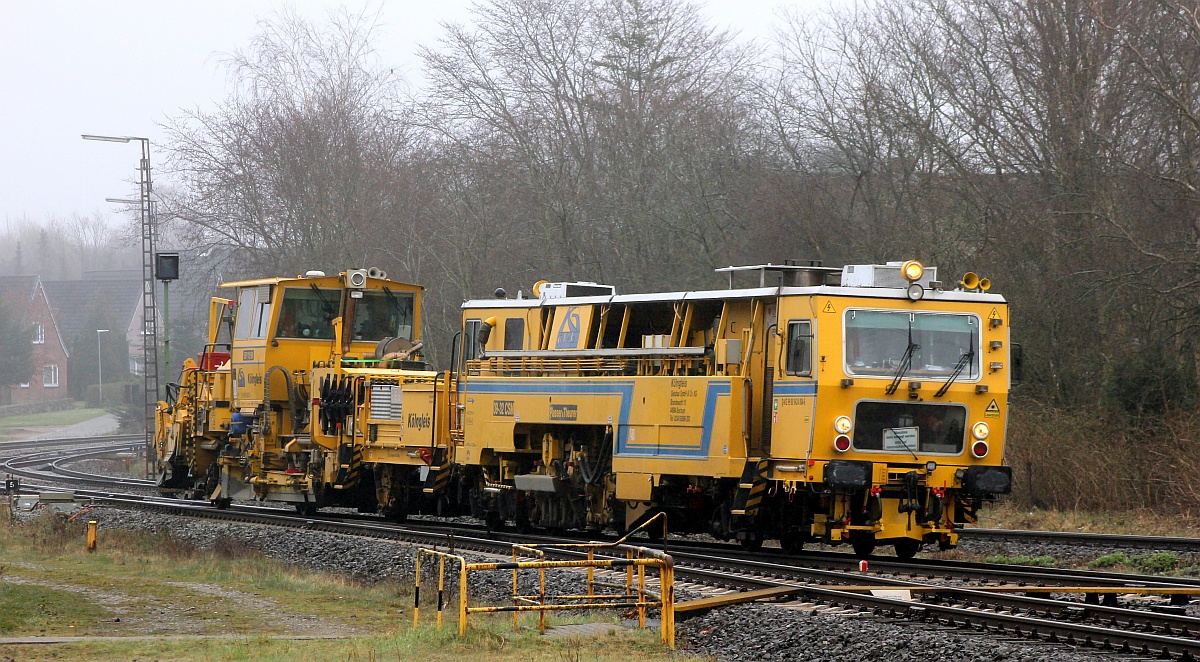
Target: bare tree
[
  {"x": 296, "y": 169},
  {"x": 613, "y": 117}
]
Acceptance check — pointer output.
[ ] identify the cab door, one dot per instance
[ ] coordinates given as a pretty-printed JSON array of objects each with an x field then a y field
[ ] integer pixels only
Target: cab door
[{"x": 794, "y": 395}]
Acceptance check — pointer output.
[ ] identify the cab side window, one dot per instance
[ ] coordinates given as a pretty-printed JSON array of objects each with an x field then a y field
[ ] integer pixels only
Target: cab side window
[
  {"x": 245, "y": 312},
  {"x": 514, "y": 333},
  {"x": 799, "y": 348},
  {"x": 470, "y": 346}
]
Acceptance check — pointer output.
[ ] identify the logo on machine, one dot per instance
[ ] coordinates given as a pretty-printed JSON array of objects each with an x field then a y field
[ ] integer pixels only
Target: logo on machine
[
  {"x": 419, "y": 422},
  {"x": 247, "y": 355},
  {"x": 568, "y": 333},
  {"x": 564, "y": 412},
  {"x": 502, "y": 408}
]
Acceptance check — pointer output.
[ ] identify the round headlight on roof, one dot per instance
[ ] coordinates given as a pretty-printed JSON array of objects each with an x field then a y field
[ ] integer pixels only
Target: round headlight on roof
[
  {"x": 915, "y": 291},
  {"x": 842, "y": 424},
  {"x": 912, "y": 270}
]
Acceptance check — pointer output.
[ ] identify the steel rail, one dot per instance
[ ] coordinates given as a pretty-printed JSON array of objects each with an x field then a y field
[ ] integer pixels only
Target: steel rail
[
  {"x": 23, "y": 444},
  {"x": 19, "y": 466},
  {"x": 1032, "y": 624},
  {"x": 1164, "y": 543},
  {"x": 993, "y": 622}
]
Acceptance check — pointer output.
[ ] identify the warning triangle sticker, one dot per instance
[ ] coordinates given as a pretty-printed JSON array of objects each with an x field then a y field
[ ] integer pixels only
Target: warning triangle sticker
[
  {"x": 993, "y": 408},
  {"x": 828, "y": 307},
  {"x": 995, "y": 315}
]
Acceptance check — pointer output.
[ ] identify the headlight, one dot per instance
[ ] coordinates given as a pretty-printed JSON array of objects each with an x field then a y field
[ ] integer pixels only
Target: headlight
[
  {"x": 842, "y": 424},
  {"x": 980, "y": 430},
  {"x": 915, "y": 292},
  {"x": 912, "y": 270}
]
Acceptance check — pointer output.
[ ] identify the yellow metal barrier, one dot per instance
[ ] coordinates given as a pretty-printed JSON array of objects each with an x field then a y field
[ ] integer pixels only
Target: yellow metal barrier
[{"x": 634, "y": 560}]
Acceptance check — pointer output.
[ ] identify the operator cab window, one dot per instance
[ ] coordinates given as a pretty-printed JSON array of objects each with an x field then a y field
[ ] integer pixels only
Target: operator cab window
[
  {"x": 307, "y": 313},
  {"x": 799, "y": 348},
  {"x": 383, "y": 314}
]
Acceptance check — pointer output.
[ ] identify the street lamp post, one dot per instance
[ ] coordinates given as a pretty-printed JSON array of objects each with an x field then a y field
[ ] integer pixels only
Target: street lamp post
[
  {"x": 100, "y": 365},
  {"x": 149, "y": 310}
]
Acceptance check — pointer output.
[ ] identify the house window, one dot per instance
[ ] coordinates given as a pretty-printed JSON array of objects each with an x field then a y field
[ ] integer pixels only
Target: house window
[
  {"x": 24, "y": 384},
  {"x": 39, "y": 334},
  {"x": 50, "y": 376}
]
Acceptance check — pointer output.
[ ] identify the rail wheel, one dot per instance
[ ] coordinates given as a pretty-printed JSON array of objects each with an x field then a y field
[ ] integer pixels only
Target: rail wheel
[
  {"x": 494, "y": 521},
  {"x": 751, "y": 544},
  {"x": 307, "y": 509},
  {"x": 863, "y": 544},
  {"x": 906, "y": 548},
  {"x": 792, "y": 542}
]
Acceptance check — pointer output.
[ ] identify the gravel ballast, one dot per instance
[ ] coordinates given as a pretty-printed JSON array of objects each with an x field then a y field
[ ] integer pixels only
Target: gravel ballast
[{"x": 745, "y": 632}]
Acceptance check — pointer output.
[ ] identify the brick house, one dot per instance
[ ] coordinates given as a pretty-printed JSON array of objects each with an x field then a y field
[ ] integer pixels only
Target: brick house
[
  {"x": 27, "y": 297},
  {"x": 112, "y": 298}
]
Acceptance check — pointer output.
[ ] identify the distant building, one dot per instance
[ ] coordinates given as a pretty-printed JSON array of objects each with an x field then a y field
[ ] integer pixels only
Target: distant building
[
  {"x": 102, "y": 299},
  {"x": 26, "y": 295}
]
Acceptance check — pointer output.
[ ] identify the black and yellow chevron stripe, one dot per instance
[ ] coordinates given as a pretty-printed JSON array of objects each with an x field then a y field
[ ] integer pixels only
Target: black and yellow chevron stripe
[
  {"x": 349, "y": 464},
  {"x": 751, "y": 488}
]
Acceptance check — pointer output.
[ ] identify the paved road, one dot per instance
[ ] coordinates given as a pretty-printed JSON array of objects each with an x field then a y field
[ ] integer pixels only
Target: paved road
[{"x": 93, "y": 427}]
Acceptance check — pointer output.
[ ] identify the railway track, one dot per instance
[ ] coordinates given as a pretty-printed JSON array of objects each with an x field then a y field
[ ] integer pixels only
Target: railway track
[{"x": 1004, "y": 601}]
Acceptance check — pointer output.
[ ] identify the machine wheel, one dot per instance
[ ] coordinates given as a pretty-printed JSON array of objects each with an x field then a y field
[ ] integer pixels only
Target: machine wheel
[
  {"x": 494, "y": 521},
  {"x": 222, "y": 504},
  {"x": 791, "y": 543},
  {"x": 906, "y": 548},
  {"x": 751, "y": 544},
  {"x": 863, "y": 545},
  {"x": 307, "y": 509}
]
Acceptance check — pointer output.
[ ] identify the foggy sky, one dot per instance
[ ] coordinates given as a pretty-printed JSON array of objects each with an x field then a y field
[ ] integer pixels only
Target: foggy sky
[{"x": 121, "y": 68}]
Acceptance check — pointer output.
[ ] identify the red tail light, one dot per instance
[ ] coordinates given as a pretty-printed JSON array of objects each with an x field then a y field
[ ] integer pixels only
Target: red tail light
[
  {"x": 841, "y": 444},
  {"x": 426, "y": 455},
  {"x": 979, "y": 449}
]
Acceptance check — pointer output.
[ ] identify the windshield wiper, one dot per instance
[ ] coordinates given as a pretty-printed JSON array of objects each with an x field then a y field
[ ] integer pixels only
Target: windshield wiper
[
  {"x": 963, "y": 361},
  {"x": 394, "y": 301},
  {"x": 966, "y": 359},
  {"x": 905, "y": 362},
  {"x": 328, "y": 308}
]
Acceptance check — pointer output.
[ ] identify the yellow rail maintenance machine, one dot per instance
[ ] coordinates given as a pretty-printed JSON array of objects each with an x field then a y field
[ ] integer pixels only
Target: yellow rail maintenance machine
[{"x": 864, "y": 404}]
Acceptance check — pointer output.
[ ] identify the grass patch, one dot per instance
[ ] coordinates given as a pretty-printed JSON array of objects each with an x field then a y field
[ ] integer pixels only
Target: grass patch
[
  {"x": 231, "y": 603},
  {"x": 50, "y": 418},
  {"x": 1157, "y": 563},
  {"x": 1039, "y": 561},
  {"x": 1007, "y": 515},
  {"x": 34, "y": 609}
]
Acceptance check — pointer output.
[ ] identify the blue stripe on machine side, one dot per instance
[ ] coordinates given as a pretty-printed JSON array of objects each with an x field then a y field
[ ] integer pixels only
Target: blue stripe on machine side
[
  {"x": 794, "y": 388},
  {"x": 715, "y": 390},
  {"x": 622, "y": 388}
]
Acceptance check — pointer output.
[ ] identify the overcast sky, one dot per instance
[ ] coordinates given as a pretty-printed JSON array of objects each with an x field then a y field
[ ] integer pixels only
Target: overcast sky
[{"x": 69, "y": 67}]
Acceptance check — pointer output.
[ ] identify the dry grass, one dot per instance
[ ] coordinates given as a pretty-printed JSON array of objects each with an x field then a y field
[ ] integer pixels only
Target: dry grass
[
  {"x": 1095, "y": 460},
  {"x": 230, "y": 603}
]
